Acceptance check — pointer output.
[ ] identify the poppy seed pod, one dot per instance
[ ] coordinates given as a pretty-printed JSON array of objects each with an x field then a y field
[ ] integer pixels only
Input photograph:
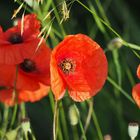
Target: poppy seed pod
[{"x": 133, "y": 129}]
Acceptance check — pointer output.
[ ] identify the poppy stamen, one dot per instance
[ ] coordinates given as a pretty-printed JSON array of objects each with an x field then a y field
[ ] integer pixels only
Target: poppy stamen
[
  {"x": 67, "y": 65},
  {"x": 28, "y": 65},
  {"x": 15, "y": 38}
]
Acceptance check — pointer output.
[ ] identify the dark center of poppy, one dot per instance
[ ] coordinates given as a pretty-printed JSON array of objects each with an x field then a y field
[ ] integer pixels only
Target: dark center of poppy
[
  {"x": 28, "y": 65},
  {"x": 15, "y": 38},
  {"x": 67, "y": 65}
]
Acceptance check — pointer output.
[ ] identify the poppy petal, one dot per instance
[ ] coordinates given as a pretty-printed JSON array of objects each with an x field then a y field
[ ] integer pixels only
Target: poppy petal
[
  {"x": 17, "y": 53},
  {"x": 138, "y": 71},
  {"x": 79, "y": 96},
  {"x": 7, "y": 75},
  {"x": 32, "y": 96},
  {"x": 30, "y": 86},
  {"x": 14, "y": 46},
  {"x": 136, "y": 94},
  {"x": 1, "y": 31},
  {"x": 57, "y": 85},
  {"x": 6, "y": 97},
  {"x": 31, "y": 26}
]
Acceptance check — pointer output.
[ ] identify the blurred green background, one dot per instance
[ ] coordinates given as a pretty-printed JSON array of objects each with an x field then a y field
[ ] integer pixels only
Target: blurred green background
[{"x": 113, "y": 110}]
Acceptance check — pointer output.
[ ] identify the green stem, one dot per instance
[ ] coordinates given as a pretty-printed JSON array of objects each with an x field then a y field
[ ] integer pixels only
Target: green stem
[
  {"x": 90, "y": 104},
  {"x": 14, "y": 96},
  {"x": 120, "y": 89},
  {"x": 58, "y": 19},
  {"x": 75, "y": 132},
  {"x": 115, "y": 54},
  {"x": 102, "y": 11},
  {"x": 14, "y": 116},
  {"x": 80, "y": 124},
  {"x": 106, "y": 24},
  {"x": 97, "y": 125},
  {"x": 64, "y": 123},
  {"x": 82, "y": 129},
  {"x": 53, "y": 110},
  {"x": 24, "y": 6},
  {"x": 55, "y": 121},
  {"x": 51, "y": 101},
  {"x": 23, "y": 110},
  {"x": 5, "y": 121}
]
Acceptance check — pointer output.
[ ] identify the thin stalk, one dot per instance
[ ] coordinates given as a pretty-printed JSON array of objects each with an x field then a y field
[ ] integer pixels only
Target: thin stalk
[
  {"x": 115, "y": 54},
  {"x": 75, "y": 133},
  {"x": 55, "y": 121},
  {"x": 53, "y": 110},
  {"x": 58, "y": 19},
  {"x": 102, "y": 11},
  {"x": 80, "y": 124},
  {"x": 82, "y": 129},
  {"x": 26, "y": 136},
  {"x": 64, "y": 123},
  {"x": 23, "y": 110},
  {"x": 90, "y": 104},
  {"x": 95, "y": 120},
  {"x": 136, "y": 54},
  {"x": 33, "y": 137},
  {"x": 106, "y": 24},
  {"x": 24, "y": 6},
  {"x": 51, "y": 101},
  {"x": 14, "y": 96},
  {"x": 5, "y": 121},
  {"x": 14, "y": 116},
  {"x": 120, "y": 89},
  {"x": 130, "y": 76}
]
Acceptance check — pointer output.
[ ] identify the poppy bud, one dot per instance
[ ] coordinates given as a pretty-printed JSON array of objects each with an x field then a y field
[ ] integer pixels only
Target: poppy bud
[
  {"x": 115, "y": 43},
  {"x": 73, "y": 115}
]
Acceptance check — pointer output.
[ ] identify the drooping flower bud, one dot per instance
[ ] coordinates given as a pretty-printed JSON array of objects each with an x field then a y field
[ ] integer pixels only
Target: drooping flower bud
[
  {"x": 73, "y": 115},
  {"x": 115, "y": 43}
]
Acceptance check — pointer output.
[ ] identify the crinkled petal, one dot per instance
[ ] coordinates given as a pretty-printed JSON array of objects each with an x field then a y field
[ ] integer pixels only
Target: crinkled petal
[
  {"x": 7, "y": 75},
  {"x": 30, "y": 26},
  {"x": 1, "y": 31},
  {"x": 138, "y": 71},
  {"x": 57, "y": 84},
  {"x": 90, "y": 72},
  {"x": 79, "y": 96},
  {"x": 29, "y": 86},
  {"x": 16, "y": 53},
  {"x": 34, "y": 95},
  {"x": 136, "y": 94},
  {"x": 6, "y": 97}
]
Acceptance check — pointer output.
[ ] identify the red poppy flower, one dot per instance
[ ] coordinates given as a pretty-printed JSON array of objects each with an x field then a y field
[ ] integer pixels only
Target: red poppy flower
[
  {"x": 138, "y": 71},
  {"x": 33, "y": 78},
  {"x": 136, "y": 94},
  {"x": 79, "y": 65},
  {"x": 19, "y": 42}
]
